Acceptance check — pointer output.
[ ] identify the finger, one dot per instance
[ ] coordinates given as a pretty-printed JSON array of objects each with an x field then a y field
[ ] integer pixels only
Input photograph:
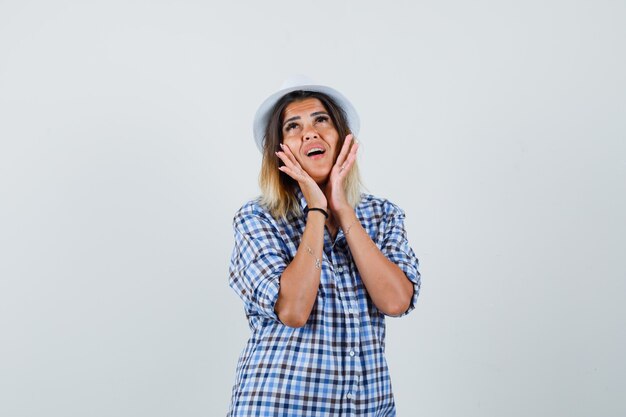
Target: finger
[
  {"x": 287, "y": 171},
  {"x": 294, "y": 171},
  {"x": 281, "y": 155},
  {"x": 354, "y": 149},
  {"x": 349, "y": 161},
  {"x": 290, "y": 154},
  {"x": 295, "y": 175},
  {"x": 286, "y": 159},
  {"x": 344, "y": 150}
]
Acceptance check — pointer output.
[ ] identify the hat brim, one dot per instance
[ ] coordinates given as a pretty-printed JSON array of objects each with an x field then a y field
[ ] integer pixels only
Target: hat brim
[{"x": 261, "y": 118}]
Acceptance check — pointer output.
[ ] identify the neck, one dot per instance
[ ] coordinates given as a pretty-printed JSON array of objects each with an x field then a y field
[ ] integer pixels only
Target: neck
[{"x": 332, "y": 224}]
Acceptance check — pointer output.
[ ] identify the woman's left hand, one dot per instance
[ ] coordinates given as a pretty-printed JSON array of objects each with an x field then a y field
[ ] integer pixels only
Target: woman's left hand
[{"x": 335, "y": 188}]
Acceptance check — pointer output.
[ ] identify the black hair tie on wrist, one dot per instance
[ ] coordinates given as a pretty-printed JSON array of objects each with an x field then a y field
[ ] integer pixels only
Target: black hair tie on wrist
[{"x": 316, "y": 209}]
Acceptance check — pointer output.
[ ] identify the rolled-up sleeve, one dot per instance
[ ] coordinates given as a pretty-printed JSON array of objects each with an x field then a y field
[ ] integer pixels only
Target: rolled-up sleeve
[
  {"x": 395, "y": 246},
  {"x": 257, "y": 263}
]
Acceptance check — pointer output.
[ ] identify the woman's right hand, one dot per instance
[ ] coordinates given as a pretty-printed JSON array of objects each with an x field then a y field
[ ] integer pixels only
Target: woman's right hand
[{"x": 313, "y": 194}]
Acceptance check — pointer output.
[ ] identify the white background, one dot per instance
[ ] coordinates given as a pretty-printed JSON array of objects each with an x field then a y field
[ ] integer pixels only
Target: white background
[{"x": 126, "y": 148}]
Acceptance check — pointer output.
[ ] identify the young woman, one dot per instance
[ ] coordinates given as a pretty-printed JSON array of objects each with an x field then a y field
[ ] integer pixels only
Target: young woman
[{"x": 318, "y": 264}]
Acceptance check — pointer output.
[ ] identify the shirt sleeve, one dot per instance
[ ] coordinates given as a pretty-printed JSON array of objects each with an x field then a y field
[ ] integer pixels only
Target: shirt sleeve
[
  {"x": 395, "y": 246},
  {"x": 257, "y": 262}
]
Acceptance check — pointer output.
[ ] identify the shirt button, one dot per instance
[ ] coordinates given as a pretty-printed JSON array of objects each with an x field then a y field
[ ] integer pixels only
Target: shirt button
[
  {"x": 352, "y": 353},
  {"x": 350, "y": 396},
  {"x": 339, "y": 269},
  {"x": 351, "y": 310}
]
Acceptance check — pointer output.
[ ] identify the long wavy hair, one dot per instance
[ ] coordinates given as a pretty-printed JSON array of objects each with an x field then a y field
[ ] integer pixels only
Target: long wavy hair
[{"x": 277, "y": 188}]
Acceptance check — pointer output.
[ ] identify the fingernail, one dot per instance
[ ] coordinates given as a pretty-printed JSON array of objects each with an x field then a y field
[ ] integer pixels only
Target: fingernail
[{"x": 281, "y": 145}]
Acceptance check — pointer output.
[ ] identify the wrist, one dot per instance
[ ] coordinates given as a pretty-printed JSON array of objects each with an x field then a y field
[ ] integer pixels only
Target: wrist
[
  {"x": 345, "y": 217},
  {"x": 320, "y": 210}
]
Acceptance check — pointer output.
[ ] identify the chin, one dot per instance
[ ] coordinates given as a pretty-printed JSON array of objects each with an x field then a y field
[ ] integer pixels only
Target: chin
[
  {"x": 321, "y": 177},
  {"x": 321, "y": 180}
]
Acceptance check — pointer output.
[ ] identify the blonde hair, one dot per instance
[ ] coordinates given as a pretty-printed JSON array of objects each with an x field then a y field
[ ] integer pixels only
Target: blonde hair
[{"x": 277, "y": 188}]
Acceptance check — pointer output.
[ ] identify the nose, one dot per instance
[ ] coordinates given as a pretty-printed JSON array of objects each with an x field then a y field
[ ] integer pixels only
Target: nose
[{"x": 309, "y": 133}]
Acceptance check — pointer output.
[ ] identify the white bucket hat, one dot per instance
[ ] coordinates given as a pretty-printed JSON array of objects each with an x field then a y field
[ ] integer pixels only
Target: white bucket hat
[{"x": 296, "y": 83}]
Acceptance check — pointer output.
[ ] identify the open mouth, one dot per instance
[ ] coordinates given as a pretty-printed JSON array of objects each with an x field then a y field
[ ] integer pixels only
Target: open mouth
[{"x": 316, "y": 153}]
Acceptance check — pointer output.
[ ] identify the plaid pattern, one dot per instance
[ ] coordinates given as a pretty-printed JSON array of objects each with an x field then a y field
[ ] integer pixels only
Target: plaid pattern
[{"x": 335, "y": 364}]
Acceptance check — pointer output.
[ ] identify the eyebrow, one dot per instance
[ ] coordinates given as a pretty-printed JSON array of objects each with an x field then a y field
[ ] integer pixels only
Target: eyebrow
[{"x": 315, "y": 113}]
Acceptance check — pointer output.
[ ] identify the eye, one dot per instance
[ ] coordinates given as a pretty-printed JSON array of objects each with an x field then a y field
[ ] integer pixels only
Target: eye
[
  {"x": 321, "y": 119},
  {"x": 290, "y": 126}
]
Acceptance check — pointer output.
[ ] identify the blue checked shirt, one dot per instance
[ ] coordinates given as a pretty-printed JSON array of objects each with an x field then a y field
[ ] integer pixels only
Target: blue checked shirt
[{"x": 335, "y": 364}]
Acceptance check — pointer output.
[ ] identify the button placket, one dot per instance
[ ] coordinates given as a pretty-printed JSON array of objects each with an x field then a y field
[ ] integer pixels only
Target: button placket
[
  {"x": 337, "y": 238},
  {"x": 345, "y": 286}
]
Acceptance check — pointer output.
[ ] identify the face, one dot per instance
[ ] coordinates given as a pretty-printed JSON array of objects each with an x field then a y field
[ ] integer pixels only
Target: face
[{"x": 310, "y": 133}]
